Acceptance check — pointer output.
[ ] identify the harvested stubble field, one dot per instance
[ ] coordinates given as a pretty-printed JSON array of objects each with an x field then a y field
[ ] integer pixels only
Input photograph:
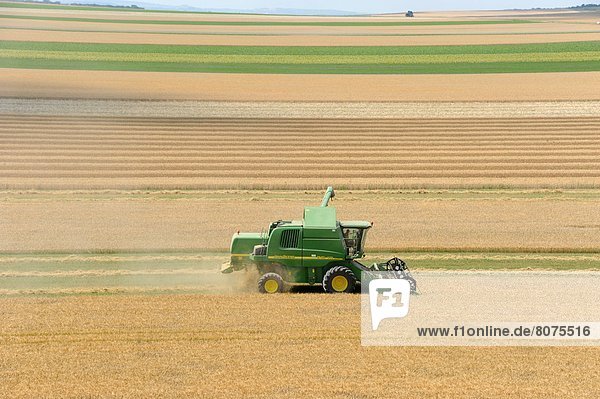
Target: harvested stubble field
[
  {"x": 86, "y": 152},
  {"x": 258, "y": 88},
  {"x": 239, "y": 346},
  {"x": 405, "y": 221}
]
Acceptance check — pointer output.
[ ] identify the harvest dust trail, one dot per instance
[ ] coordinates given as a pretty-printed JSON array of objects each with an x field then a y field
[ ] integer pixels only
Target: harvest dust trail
[{"x": 80, "y": 274}]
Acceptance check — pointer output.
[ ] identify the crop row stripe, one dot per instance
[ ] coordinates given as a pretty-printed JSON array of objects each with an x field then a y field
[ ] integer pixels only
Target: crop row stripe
[
  {"x": 568, "y": 47},
  {"x": 300, "y": 59}
]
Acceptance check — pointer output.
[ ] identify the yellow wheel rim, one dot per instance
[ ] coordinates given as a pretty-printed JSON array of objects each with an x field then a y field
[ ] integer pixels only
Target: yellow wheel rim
[
  {"x": 339, "y": 283},
  {"x": 271, "y": 286}
]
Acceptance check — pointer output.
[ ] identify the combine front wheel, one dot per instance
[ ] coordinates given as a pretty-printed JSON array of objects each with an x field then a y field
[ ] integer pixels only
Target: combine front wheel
[{"x": 339, "y": 279}]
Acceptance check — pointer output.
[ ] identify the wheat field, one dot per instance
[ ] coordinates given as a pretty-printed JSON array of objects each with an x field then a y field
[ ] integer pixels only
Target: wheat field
[
  {"x": 253, "y": 346},
  {"x": 117, "y": 209}
]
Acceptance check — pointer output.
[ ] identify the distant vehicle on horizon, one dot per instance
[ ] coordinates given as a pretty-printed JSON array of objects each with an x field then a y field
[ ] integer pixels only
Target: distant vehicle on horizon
[{"x": 409, "y": 14}]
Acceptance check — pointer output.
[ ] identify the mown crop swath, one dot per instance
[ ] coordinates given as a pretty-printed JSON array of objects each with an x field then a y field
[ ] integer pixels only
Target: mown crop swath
[{"x": 230, "y": 153}]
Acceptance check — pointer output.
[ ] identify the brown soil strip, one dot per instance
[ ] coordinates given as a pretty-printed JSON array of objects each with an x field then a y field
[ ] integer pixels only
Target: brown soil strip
[
  {"x": 30, "y": 83},
  {"x": 295, "y": 40}
]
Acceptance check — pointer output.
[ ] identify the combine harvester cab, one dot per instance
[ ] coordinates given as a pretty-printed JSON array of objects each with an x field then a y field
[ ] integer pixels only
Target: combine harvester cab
[{"x": 318, "y": 249}]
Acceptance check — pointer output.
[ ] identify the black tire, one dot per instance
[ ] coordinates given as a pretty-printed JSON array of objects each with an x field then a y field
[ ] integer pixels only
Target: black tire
[
  {"x": 333, "y": 282},
  {"x": 270, "y": 283}
]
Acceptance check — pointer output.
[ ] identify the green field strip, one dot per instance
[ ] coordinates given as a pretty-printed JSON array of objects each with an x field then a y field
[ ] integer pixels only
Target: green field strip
[
  {"x": 269, "y": 23},
  {"x": 301, "y": 59},
  {"x": 133, "y": 264},
  {"x": 505, "y": 264},
  {"x": 457, "y": 68},
  {"x": 458, "y": 260},
  {"x": 503, "y": 58},
  {"x": 562, "y": 47}
]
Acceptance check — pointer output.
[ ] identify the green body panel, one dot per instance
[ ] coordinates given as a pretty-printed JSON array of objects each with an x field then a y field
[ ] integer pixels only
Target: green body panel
[
  {"x": 277, "y": 252},
  {"x": 243, "y": 243},
  {"x": 241, "y": 247},
  {"x": 316, "y": 216},
  {"x": 321, "y": 246}
]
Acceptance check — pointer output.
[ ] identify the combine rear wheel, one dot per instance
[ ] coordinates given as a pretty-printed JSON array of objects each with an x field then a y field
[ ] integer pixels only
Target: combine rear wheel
[
  {"x": 270, "y": 283},
  {"x": 339, "y": 279}
]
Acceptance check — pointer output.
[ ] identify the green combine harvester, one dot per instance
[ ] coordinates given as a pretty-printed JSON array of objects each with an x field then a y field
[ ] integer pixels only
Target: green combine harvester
[{"x": 318, "y": 249}]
